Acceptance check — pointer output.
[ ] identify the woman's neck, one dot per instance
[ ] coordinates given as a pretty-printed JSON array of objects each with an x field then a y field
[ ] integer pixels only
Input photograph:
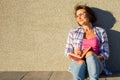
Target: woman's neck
[{"x": 87, "y": 27}]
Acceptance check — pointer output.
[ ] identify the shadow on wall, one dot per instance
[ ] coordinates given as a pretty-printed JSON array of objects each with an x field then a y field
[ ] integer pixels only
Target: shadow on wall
[{"x": 106, "y": 20}]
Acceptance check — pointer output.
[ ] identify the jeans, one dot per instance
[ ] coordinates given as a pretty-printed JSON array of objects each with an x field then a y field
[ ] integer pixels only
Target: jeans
[{"x": 93, "y": 65}]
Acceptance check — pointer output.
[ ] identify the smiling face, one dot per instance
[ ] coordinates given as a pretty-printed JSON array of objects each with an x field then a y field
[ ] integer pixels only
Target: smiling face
[{"x": 82, "y": 17}]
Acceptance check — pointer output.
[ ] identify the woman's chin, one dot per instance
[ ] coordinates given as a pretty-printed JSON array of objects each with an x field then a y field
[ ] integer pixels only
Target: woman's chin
[{"x": 80, "y": 23}]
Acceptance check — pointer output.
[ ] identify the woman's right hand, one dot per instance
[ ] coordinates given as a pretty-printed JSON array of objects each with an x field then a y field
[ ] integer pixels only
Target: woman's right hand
[{"x": 78, "y": 52}]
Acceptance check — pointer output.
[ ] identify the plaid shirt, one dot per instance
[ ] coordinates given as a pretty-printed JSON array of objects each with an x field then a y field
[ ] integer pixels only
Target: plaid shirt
[{"x": 75, "y": 41}]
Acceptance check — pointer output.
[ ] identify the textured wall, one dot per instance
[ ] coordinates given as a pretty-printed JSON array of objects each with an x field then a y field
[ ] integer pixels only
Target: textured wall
[{"x": 33, "y": 33}]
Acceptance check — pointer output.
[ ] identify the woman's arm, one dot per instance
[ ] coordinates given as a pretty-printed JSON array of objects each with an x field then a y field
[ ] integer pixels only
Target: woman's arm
[
  {"x": 104, "y": 46},
  {"x": 69, "y": 46}
]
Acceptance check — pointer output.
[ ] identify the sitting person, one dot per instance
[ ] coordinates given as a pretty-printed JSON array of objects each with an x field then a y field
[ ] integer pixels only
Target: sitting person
[{"x": 85, "y": 36}]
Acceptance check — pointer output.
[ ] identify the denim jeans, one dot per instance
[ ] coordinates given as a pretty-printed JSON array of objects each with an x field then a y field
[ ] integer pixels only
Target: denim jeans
[{"x": 93, "y": 65}]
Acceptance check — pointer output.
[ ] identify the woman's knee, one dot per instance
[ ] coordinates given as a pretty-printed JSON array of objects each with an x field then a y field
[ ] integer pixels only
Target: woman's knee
[
  {"x": 90, "y": 53},
  {"x": 81, "y": 62}
]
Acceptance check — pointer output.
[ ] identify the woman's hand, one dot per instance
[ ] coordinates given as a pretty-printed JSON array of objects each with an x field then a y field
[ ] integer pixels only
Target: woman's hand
[
  {"x": 100, "y": 57},
  {"x": 78, "y": 52}
]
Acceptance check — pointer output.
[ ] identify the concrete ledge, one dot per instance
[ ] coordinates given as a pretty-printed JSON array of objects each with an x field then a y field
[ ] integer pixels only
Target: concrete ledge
[{"x": 45, "y": 75}]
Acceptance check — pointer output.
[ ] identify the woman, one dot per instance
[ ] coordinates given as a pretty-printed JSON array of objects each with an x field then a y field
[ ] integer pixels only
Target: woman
[{"x": 85, "y": 36}]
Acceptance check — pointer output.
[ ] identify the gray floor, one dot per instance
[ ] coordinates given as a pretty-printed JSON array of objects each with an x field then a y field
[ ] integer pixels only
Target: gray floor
[{"x": 44, "y": 75}]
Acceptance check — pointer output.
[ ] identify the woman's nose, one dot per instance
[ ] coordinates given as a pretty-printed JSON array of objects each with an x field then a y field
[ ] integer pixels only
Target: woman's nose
[{"x": 79, "y": 17}]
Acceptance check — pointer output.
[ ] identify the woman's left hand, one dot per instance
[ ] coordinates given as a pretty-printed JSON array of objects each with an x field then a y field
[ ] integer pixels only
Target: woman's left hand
[{"x": 100, "y": 57}]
